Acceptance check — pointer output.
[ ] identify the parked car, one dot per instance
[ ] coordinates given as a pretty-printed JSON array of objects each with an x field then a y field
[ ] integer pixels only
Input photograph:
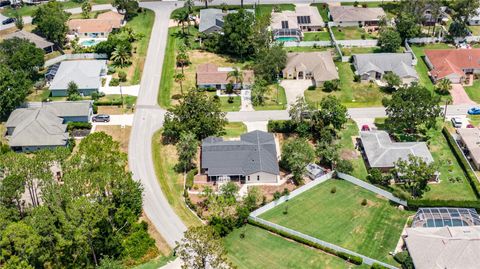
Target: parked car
[
  {"x": 101, "y": 118},
  {"x": 8, "y": 20},
  {"x": 470, "y": 126},
  {"x": 4, "y": 3},
  {"x": 457, "y": 122},
  {"x": 474, "y": 111},
  {"x": 365, "y": 128}
]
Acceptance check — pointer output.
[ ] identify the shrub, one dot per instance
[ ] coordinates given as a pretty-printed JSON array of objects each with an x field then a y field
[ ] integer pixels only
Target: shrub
[
  {"x": 189, "y": 180},
  {"x": 137, "y": 243},
  {"x": 331, "y": 85},
  {"x": 104, "y": 80},
  {"x": 333, "y": 190},
  {"x": 281, "y": 126},
  {"x": 357, "y": 78},
  {"x": 108, "y": 103},
  {"x": 364, "y": 202},
  {"x": 277, "y": 195},
  {"x": 378, "y": 266},
  {"x": 311, "y": 88},
  {"x": 344, "y": 166},
  {"x": 95, "y": 109},
  {"x": 414, "y": 203},
  {"x": 79, "y": 126},
  {"x": 122, "y": 76},
  {"x": 177, "y": 96},
  {"x": 114, "y": 82},
  {"x": 230, "y": 100},
  {"x": 404, "y": 259},
  {"x": 110, "y": 69}
]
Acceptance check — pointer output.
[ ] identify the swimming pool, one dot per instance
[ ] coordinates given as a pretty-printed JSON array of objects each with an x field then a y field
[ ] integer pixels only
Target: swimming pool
[
  {"x": 286, "y": 39},
  {"x": 90, "y": 42}
]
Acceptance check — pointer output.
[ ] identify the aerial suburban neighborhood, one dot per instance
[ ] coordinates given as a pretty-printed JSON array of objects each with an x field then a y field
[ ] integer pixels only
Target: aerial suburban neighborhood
[{"x": 240, "y": 134}]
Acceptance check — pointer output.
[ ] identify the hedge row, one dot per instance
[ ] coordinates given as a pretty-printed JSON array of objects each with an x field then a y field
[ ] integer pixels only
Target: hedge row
[
  {"x": 281, "y": 126},
  {"x": 414, "y": 204},
  {"x": 378, "y": 266},
  {"x": 108, "y": 103},
  {"x": 78, "y": 125},
  {"x": 350, "y": 258},
  {"x": 190, "y": 175},
  {"x": 472, "y": 179}
]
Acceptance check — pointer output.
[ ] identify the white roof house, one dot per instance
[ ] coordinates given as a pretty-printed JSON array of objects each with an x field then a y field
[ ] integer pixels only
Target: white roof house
[{"x": 291, "y": 23}]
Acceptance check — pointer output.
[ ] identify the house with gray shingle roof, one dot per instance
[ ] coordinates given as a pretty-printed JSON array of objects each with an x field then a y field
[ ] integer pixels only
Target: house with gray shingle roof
[
  {"x": 252, "y": 159},
  {"x": 212, "y": 19},
  {"x": 87, "y": 74},
  {"x": 44, "y": 125},
  {"x": 382, "y": 153},
  {"x": 372, "y": 66},
  {"x": 39, "y": 41},
  {"x": 356, "y": 16}
]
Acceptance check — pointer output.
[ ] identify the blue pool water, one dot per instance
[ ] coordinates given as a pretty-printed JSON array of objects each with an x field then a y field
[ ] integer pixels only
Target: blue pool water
[
  {"x": 89, "y": 43},
  {"x": 286, "y": 39}
]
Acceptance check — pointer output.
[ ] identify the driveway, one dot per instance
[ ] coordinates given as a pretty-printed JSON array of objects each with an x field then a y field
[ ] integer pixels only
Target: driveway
[
  {"x": 256, "y": 125},
  {"x": 459, "y": 96},
  {"x": 295, "y": 88}
]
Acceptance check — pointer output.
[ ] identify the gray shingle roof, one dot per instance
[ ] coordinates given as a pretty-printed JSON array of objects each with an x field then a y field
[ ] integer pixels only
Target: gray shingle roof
[
  {"x": 398, "y": 63},
  {"x": 36, "y": 127},
  {"x": 355, "y": 14},
  {"x": 69, "y": 108},
  {"x": 39, "y": 41},
  {"x": 85, "y": 73},
  {"x": 254, "y": 152},
  {"x": 382, "y": 152}
]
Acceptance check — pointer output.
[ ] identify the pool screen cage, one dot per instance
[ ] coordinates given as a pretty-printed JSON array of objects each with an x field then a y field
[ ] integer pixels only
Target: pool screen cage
[{"x": 445, "y": 216}]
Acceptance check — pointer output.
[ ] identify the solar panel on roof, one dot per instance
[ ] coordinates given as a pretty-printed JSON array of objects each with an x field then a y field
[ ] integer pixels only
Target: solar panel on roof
[{"x": 303, "y": 19}]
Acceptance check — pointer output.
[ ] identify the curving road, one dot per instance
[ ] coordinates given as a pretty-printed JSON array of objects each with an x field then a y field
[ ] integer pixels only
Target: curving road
[{"x": 149, "y": 118}]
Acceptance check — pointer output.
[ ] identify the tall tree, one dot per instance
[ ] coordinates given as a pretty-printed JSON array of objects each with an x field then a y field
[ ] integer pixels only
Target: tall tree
[
  {"x": 259, "y": 90},
  {"x": 444, "y": 86},
  {"x": 411, "y": 108},
  {"x": 408, "y": 26},
  {"x": 296, "y": 154},
  {"x": 200, "y": 248},
  {"x": 414, "y": 173},
  {"x": 389, "y": 40},
  {"x": 237, "y": 34},
  {"x": 236, "y": 75},
  {"x": 14, "y": 87},
  {"x": 196, "y": 113},
  {"x": 270, "y": 62},
  {"x": 392, "y": 80},
  {"x": 86, "y": 9},
  {"x": 21, "y": 54},
  {"x": 182, "y": 57},
  {"x": 51, "y": 21},
  {"x": 206, "y": 2},
  {"x": 332, "y": 112},
  {"x": 300, "y": 110},
  {"x": 186, "y": 149},
  {"x": 127, "y": 7},
  {"x": 179, "y": 78},
  {"x": 327, "y": 153},
  {"x": 121, "y": 55}
]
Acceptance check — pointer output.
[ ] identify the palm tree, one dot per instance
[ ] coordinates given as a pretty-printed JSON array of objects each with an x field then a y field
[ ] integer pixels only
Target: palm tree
[
  {"x": 182, "y": 17},
  {"x": 237, "y": 75},
  {"x": 121, "y": 55},
  {"x": 179, "y": 78},
  {"x": 206, "y": 2},
  {"x": 444, "y": 86},
  {"x": 189, "y": 4},
  {"x": 182, "y": 59}
]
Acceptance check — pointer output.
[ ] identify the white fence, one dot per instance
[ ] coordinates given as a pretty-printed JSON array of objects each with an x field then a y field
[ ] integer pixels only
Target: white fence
[
  {"x": 294, "y": 193},
  {"x": 409, "y": 50},
  {"x": 366, "y": 260},
  {"x": 364, "y": 43},
  {"x": 425, "y": 40},
  {"x": 80, "y": 56},
  {"x": 289, "y": 44},
  {"x": 371, "y": 188}
]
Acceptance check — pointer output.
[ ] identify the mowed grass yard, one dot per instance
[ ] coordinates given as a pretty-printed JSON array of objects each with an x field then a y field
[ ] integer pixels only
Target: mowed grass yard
[
  {"x": 351, "y": 33},
  {"x": 262, "y": 249},
  {"x": 235, "y": 129},
  {"x": 271, "y": 102},
  {"x": 347, "y": 138},
  {"x": 421, "y": 66},
  {"x": 316, "y": 36},
  {"x": 350, "y": 93},
  {"x": 474, "y": 91},
  {"x": 372, "y": 230},
  {"x": 171, "y": 182},
  {"x": 28, "y": 10}
]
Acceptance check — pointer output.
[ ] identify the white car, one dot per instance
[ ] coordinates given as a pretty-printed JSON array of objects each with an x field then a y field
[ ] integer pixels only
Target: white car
[{"x": 457, "y": 122}]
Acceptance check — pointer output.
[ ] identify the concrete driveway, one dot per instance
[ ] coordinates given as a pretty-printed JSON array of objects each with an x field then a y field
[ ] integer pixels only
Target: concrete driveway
[
  {"x": 125, "y": 119},
  {"x": 294, "y": 88},
  {"x": 459, "y": 96}
]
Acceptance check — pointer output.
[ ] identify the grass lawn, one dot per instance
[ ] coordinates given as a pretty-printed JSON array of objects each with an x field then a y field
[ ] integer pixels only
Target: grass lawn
[
  {"x": 474, "y": 91},
  {"x": 229, "y": 107},
  {"x": 421, "y": 67},
  {"x": 271, "y": 99},
  {"x": 475, "y": 29},
  {"x": 307, "y": 49},
  {"x": 263, "y": 10},
  {"x": 350, "y": 33},
  {"x": 474, "y": 119},
  {"x": 3, "y": 131},
  {"x": 262, "y": 249},
  {"x": 372, "y": 230},
  {"x": 323, "y": 10},
  {"x": 235, "y": 129},
  {"x": 28, "y": 10},
  {"x": 316, "y": 36},
  {"x": 348, "y": 151},
  {"x": 359, "y": 50},
  {"x": 171, "y": 182},
  {"x": 156, "y": 263},
  {"x": 141, "y": 24},
  {"x": 351, "y": 94}
]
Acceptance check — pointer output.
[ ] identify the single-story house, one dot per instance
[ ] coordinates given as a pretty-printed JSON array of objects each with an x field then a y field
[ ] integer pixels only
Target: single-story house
[
  {"x": 316, "y": 66},
  {"x": 39, "y": 41},
  {"x": 444, "y": 247},
  {"x": 253, "y": 159},
  {"x": 382, "y": 153},
  {"x": 290, "y": 24},
  {"x": 102, "y": 26},
  {"x": 87, "y": 74},
  {"x": 453, "y": 64},
  {"x": 475, "y": 20},
  {"x": 344, "y": 16},
  {"x": 429, "y": 16},
  {"x": 373, "y": 66},
  {"x": 470, "y": 139},
  {"x": 212, "y": 19},
  {"x": 44, "y": 126},
  {"x": 211, "y": 76}
]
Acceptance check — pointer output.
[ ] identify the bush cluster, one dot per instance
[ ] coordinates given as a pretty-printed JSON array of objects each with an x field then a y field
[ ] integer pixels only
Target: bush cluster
[
  {"x": 78, "y": 125},
  {"x": 190, "y": 175},
  {"x": 281, "y": 126},
  {"x": 348, "y": 257}
]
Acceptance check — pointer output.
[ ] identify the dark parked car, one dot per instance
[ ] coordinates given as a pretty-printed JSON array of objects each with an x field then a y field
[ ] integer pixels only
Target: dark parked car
[
  {"x": 7, "y": 21},
  {"x": 474, "y": 111},
  {"x": 101, "y": 118},
  {"x": 4, "y": 3}
]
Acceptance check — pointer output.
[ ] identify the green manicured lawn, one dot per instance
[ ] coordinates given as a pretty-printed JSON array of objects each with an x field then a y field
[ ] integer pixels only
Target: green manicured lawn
[
  {"x": 421, "y": 67},
  {"x": 262, "y": 249},
  {"x": 271, "y": 99},
  {"x": 156, "y": 263},
  {"x": 229, "y": 107},
  {"x": 235, "y": 129},
  {"x": 450, "y": 172},
  {"x": 263, "y": 10},
  {"x": 316, "y": 36},
  {"x": 475, "y": 29},
  {"x": 351, "y": 94},
  {"x": 323, "y": 10},
  {"x": 168, "y": 69},
  {"x": 348, "y": 151},
  {"x": 307, "y": 49},
  {"x": 171, "y": 182},
  {"x": 359, "y": 50},
  {"x": 372, "y": 230},
  {"x": 127, "y": 99},
  {"x": 473, "y": 91},
  {"x": 28, "y": 10},
  {"x": 350, "y": 33}
]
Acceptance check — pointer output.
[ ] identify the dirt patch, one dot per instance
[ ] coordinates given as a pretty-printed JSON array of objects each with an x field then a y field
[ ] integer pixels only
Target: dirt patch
[
  {"x": 160, "y": 242},
  {"x": 349, "y": 154},
  {"x": 119, "y": 134},
  {"x": 113, "y": 110}
]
